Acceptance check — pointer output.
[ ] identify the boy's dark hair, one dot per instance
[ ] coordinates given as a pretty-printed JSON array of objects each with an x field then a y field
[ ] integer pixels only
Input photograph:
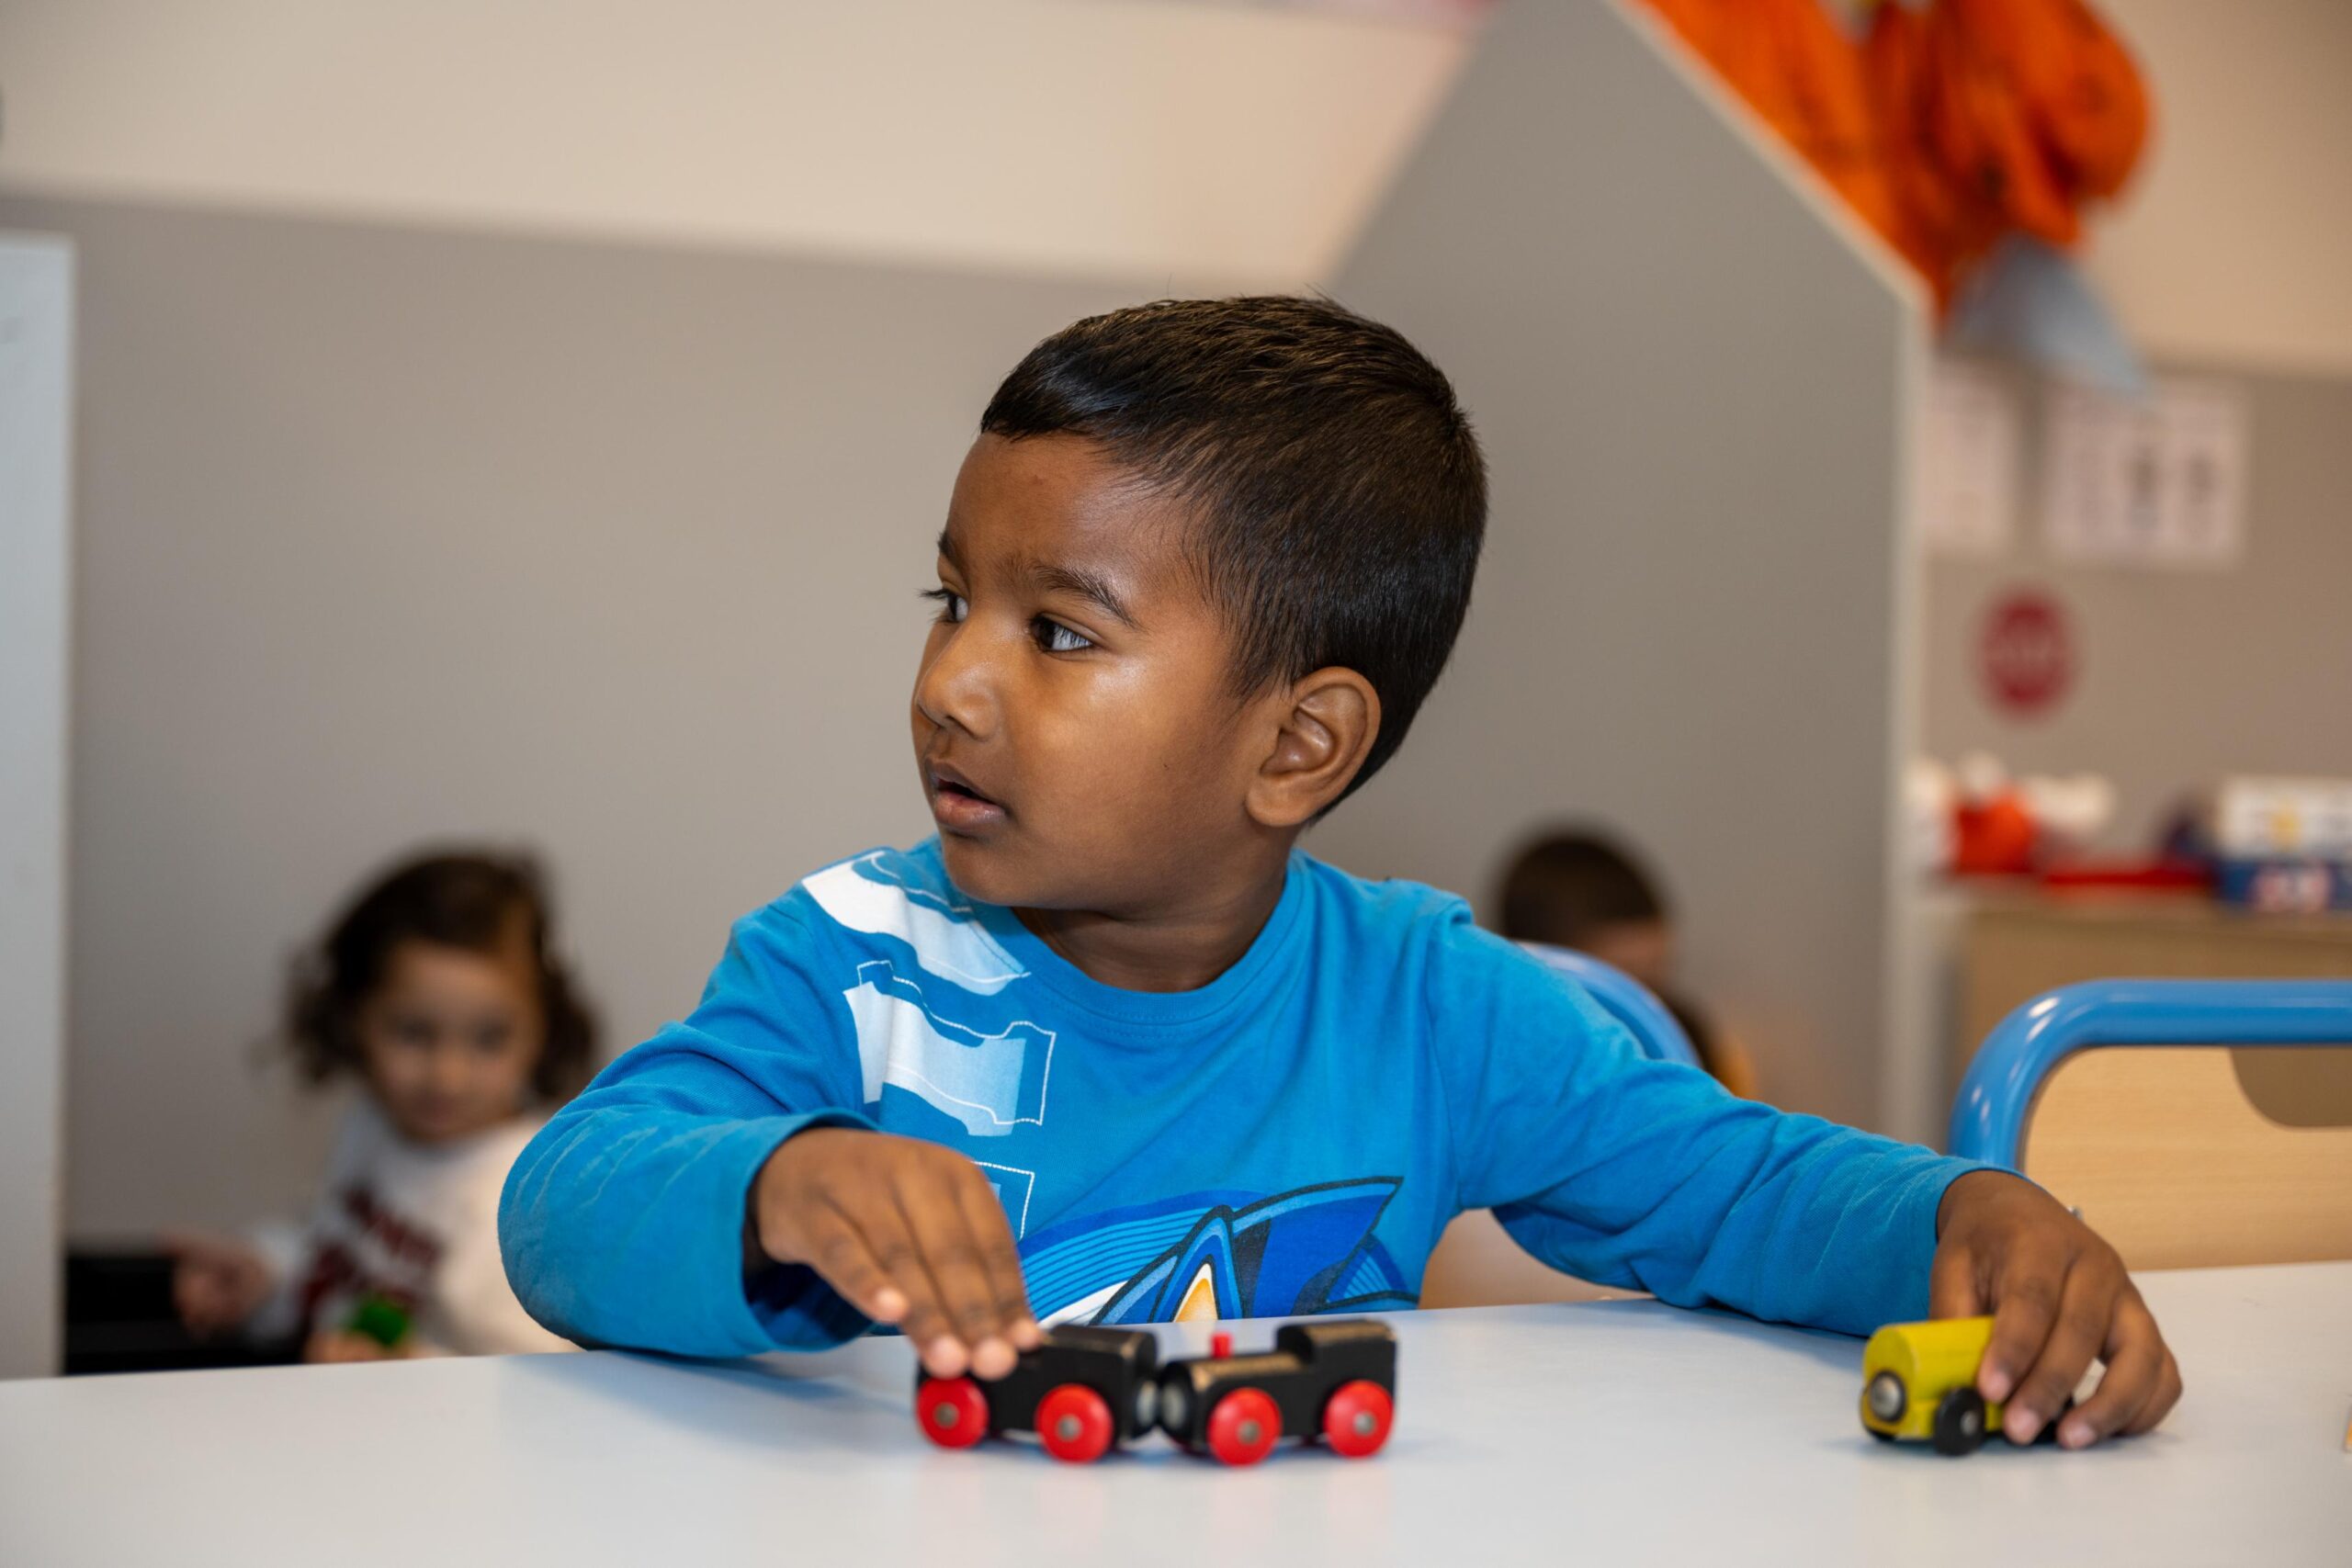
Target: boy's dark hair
[
  {"x": 1341, "y": 491},
  {"x": 1564, "y": 886},
  {"x": 469, "y": 901}
]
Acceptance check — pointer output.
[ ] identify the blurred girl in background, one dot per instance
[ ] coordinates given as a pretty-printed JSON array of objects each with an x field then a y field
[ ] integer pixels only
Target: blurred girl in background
[{"x": 438, "y": 991}]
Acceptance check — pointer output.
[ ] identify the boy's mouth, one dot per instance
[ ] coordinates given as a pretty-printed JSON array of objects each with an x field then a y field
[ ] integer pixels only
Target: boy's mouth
[{"x": 957, "y": 805}]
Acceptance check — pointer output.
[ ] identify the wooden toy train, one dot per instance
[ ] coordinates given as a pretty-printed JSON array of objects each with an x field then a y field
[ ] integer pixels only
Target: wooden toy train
[
  {"x": 1920, "y": 1385},
  {"x": 1085, "y": 1390}
]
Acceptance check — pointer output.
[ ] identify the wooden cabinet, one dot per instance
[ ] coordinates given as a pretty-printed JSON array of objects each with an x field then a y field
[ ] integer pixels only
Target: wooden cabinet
[{"x": 2017, "y": 945}]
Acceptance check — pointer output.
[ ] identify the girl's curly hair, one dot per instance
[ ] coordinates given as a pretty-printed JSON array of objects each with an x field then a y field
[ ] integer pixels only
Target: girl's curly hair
[{"x": 464, "y": 900}]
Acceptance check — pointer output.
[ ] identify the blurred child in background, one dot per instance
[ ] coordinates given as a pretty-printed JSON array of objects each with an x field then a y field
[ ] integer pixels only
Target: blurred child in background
[
  {"x": 1582, "y": 891},
  {"x": 438, "y": 991}
]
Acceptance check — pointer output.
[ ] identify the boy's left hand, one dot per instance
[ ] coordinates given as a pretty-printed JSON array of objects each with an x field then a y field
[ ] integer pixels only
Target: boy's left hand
[{"x": 2059, "y": 1298}]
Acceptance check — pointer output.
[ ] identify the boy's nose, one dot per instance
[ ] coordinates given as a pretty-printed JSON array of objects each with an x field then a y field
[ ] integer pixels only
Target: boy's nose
[{"x": 957, "y": 688}]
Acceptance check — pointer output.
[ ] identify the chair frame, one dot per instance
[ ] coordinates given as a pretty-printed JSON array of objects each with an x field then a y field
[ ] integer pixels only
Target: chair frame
[
  {"x": 1625, "y": 999},
  {"x": 1988, "y": 1119}
]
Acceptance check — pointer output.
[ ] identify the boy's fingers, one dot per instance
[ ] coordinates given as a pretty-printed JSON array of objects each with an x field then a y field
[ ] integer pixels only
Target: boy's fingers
[
  {"x": 1002, "y": 1261},
  {"x": 841, "y": 1255},
  {"x": 2075, "y": 1335},
  {"x": 2135, "y": 1357},
  {"x": 2160, "y": 1402},
  {"x": 954, "y": 1255},
  {"x": 882, "y": 1225},
  {"x": 1952, "y": 1284},
  {"x": 2023, "y": 1313}
]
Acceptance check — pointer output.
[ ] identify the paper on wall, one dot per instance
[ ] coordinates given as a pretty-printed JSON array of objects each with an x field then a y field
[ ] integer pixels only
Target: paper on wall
[{"x": 2156, "y": 481}]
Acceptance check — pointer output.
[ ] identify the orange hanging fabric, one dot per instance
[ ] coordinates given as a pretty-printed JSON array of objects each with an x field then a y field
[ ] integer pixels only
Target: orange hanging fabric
[
  {"x": 2076, "y": 87},
  {"x": 1802, "y": 74},
  {"x": 1951, "y": 124},
  {"x": 1939, "y": 223}
]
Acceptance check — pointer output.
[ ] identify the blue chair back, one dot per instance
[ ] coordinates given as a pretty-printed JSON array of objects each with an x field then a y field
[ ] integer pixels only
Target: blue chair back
[
  {"x": 1988, "y": 1119},
  {"x": 1625, "y": 999}
]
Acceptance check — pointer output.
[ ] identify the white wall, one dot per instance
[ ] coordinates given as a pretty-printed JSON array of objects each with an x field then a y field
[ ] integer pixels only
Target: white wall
[
  {"x": 36, "y": 405},
  {"x": 2236, "y": 243},
  {"x": 1132, "y": 138},
  {"x": 1106, "y": 137}
]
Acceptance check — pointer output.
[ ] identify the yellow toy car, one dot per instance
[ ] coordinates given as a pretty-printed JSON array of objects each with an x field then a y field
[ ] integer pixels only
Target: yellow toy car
[{"x": 1919, "y": 1383}]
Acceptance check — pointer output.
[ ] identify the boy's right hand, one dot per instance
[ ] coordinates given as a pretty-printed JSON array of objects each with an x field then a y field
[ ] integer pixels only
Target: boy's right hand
[
  {"x": 908, "y": 1233},
  {"x": 217, "y": 1281}
]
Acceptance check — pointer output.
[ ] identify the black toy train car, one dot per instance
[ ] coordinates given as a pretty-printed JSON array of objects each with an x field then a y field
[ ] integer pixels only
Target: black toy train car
[
  {"x": 1080, "y": 1391},
  {"x": 1335, "y": 1380},
  {"x": 1085, "y": 1389}
]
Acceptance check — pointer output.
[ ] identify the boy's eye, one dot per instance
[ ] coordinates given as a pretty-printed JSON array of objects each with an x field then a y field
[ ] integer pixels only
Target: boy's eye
[
  {"x": 952, "y": 607},
  {"x": 1055, "y": 637}
]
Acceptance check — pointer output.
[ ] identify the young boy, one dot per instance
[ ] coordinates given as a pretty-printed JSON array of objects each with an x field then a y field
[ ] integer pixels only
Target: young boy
[{"x": 1110, "y": 1048}]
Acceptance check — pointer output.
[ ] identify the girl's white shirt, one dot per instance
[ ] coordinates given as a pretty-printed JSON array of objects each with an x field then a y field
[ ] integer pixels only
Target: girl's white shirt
[{"x": 414, "y": 1224}]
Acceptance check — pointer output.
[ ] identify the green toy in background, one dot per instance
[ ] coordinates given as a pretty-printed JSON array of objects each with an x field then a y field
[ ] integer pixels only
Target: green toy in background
[{"x": 379, "y": 1318}]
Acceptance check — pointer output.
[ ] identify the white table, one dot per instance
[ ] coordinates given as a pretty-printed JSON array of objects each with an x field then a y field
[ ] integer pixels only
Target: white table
[{"x": 1622, "y": 1431}]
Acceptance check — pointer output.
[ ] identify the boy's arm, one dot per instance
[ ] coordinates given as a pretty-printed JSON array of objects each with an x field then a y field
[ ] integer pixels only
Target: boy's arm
[
  {"x": 1628, "y": 1171},
  {"x": 624, "y": 1222},
  {"x": 1631, "y": 1172},
  {"x": 653, "y": 1210}
]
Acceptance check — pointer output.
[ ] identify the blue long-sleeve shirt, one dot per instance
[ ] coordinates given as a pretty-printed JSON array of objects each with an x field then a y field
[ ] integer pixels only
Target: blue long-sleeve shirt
[{"x": 1290, "y": 1138}]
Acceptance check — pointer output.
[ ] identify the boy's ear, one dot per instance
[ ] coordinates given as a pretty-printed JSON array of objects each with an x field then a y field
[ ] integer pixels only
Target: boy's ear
[{"x": 1325, "y": 725}]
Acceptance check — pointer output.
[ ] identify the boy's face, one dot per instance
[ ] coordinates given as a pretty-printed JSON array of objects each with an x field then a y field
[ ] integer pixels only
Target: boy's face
[{"x": 1077, "y": 739}]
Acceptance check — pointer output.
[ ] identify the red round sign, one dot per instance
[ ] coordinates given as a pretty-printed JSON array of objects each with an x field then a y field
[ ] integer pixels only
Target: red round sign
[{"x": 2026, "y": 653}]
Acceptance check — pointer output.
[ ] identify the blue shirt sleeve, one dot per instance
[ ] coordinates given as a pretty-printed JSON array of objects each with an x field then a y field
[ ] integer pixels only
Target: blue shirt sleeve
[
  {"x": 623, "y": 1222},
  {"x": 1641, "y": 1174}
]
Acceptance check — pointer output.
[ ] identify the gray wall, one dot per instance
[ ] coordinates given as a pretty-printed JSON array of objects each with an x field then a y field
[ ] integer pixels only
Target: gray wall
[
  {"x": 2181, "y": 676},
  {"x": 388, "y": 535},
  {"x": 1692, "y": 388}
]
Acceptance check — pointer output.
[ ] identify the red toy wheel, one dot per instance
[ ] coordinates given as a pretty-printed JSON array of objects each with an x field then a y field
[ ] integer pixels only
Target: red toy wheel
[
  {"x": 1074, "y": 1423},
  {"x": 1244, "y": 1427},
  {"x": 1356, "y": 1419},
  {"x": 953, "y": 1412}
]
